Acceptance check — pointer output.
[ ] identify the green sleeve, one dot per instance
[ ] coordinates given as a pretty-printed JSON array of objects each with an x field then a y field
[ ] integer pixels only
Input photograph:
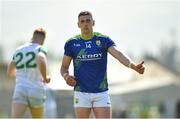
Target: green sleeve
[{"x": 43, "y": 50}]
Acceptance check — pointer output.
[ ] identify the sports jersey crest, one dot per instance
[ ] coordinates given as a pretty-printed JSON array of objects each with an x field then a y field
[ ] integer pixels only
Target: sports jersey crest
[{"x": 98, "y": 42}]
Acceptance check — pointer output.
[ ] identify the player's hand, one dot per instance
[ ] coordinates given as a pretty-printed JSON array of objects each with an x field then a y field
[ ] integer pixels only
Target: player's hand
[
  {"x": 70, "y": 80},
  {"x": 139, "y": 67},
  {"x": 47, "y": 80}
]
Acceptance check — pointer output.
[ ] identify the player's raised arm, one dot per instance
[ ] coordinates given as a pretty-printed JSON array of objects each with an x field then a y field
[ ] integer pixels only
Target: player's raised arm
[{"x": 126, "y": 61}]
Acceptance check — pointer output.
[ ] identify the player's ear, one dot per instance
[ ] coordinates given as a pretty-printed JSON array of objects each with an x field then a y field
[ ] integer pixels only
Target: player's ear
[{"x": 93, "y": 22}]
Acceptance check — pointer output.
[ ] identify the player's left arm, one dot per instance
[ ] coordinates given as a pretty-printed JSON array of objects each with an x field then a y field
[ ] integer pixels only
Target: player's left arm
[
  {"x": 42, "y": 61},
  {"x": 11, "y": 70},
  {"x": 125, "y": 60}
]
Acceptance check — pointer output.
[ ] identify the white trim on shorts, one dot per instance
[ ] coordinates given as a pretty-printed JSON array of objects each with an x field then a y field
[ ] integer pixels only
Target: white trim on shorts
[{"x": 89, "y": 100}]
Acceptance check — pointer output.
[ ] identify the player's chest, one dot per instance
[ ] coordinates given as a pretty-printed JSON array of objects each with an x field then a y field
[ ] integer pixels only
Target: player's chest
[{"x": 92, "y": 46}]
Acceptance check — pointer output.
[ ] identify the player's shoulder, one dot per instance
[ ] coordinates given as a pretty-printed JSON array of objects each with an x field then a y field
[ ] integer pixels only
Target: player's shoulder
[
  {"x": 22, "y": 47},
  {"x": 77, "y": 37},
  {"x": 42, "y": 49},
  {"x": 100, "y": 35}
]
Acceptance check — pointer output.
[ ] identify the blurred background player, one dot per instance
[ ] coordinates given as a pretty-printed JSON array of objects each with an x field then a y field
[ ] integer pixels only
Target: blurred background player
[
  {"x": 29, "y": 67},
  {"x": 89, "y": 54}
]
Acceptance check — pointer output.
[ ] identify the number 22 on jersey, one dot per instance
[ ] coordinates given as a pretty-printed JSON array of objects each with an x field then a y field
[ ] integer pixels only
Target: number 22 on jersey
[{"x": 25, "y": 60}]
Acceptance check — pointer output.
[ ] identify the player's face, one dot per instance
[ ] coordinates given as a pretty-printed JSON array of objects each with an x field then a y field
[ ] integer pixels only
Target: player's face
[{"x": 86, "y": 23}]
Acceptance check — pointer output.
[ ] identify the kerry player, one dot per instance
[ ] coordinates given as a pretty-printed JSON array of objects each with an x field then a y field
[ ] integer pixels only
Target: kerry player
[{"x": 89, "y": 54}]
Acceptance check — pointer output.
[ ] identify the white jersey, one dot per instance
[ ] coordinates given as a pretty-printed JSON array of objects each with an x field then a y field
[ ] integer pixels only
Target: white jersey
[{"x": 27, "y": 73}]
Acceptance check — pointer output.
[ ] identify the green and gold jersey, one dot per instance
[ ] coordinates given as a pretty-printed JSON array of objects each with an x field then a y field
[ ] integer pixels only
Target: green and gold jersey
[{"x": 90, "y": 61}]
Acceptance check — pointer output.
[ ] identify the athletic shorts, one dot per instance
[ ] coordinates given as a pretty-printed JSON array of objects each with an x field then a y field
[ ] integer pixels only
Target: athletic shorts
[
  {"x": 30, "y": 96},
  {"x": 89, "y": 100}
]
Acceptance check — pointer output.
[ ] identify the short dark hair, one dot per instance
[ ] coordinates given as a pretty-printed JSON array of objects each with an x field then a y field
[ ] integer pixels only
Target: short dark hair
[
  {"x": 40, "y": 31},
  {"x": 83, "y": 13}
]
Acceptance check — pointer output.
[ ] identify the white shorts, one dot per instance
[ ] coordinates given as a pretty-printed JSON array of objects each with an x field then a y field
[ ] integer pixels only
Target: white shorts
[
  {"x": 89, "y": 100},
  {"x": 31, "y": 96}
]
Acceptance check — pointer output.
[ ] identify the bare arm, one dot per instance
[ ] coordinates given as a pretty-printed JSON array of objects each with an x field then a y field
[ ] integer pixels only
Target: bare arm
[
  {"x": 65, "y": 65},
  {"x": 126, "y": 61},
  {"x": 70, "y": 80},
  {"x": 11, "y": 70},
  {"x": 41, "y": 61},
  {"x": 119, "y": 56}
]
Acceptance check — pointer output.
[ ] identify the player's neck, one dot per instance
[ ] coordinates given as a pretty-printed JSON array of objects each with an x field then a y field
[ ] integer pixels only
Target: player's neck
[
  {"x": 36, "y": 41},
  {"x": 87, "y": 36}
]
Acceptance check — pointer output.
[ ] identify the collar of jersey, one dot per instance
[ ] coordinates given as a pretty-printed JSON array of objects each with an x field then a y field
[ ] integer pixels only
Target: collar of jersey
[
  {"x": 87, "y": 38},
  {"x": 34, "y": 43}
]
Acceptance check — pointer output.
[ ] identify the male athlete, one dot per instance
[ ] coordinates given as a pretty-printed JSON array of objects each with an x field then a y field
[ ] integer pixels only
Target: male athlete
[
  {"x": 29, "y": 67},
  {"x": 89, "y": 54}
]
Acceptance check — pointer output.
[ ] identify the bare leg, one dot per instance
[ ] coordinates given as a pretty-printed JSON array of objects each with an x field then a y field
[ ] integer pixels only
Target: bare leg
[
  {"x": 18, "y": 110},
  {"x": 37, "y": 112},
  {"x": 82, "y": 112},
  {"x": 102, "y": 112}
]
